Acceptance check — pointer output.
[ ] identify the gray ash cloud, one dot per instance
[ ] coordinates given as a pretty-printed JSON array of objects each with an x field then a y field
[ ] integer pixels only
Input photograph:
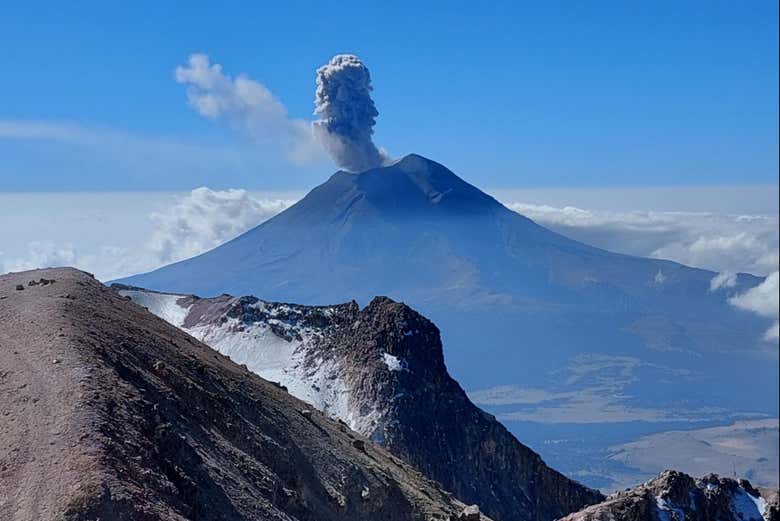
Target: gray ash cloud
[{"x": 347, "y": 113}]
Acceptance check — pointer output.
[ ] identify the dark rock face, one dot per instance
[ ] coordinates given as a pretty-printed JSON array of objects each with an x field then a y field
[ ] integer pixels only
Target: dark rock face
[
  {"x": 388, "y": 360},
  {"x": 415, "y": 231},
  {"x": 674, "y": 496},
  {"x": 111, "y": 413},
  {"x": 428, "y": 420}
]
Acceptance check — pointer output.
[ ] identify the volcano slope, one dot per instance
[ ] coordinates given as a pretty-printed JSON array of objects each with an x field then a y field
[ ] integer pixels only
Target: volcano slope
[{"x": 108, "y": 412}]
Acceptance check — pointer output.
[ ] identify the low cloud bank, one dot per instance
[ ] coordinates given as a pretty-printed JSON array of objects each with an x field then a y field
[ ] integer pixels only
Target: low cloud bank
[
  {"x": 719, "y": 242},
  {"x": 763, "y": 300},
  {"x": 204, "y": 218},
  {"x": 188, "y": 225},
  {"x": 727, "y": 244}
]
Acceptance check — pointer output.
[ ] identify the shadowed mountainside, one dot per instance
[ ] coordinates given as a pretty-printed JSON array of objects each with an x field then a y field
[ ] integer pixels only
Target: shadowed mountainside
[
  {"x": 110, "y": 412},
  {"x": 381, "y": 370}
]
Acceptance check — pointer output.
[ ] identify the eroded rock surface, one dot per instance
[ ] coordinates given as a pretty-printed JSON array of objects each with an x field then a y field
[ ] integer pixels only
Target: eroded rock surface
[
  {"x": 108, "y": 412},
  {"x": 381, "y": 371},
  {"x": 674, "y": 496}
]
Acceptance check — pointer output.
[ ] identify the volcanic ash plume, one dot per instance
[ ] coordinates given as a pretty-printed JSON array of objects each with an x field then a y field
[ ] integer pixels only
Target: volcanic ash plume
[{"x": 347, "y": 113}]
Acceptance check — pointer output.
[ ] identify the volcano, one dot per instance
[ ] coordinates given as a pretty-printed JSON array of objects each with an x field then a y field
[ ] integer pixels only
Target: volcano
[{"x": 515, "y": 301}]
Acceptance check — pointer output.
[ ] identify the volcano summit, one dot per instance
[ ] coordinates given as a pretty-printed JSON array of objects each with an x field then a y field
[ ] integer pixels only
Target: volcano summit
[{"x": 641, "y": 339}]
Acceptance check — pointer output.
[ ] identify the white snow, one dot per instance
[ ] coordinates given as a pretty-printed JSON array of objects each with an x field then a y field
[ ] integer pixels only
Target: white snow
[
  {"x": 161, "y": 304},
  {"x": 282, "y": 361},
  {"x": 257, "y": 346},
  {"x": 747, "y": 507},
  {"x": 667, "y": 510},
  {"x": 744, "y": 505},
  {"x": 760, "y": 504},
  {"x": 393, "y": 362},
  {"x": 273, "y": 358}
]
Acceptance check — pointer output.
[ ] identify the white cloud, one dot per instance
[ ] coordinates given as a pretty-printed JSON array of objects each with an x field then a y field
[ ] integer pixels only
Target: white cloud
[
  {"x": 762, "y": 300},
  {"x": 43, "y": 254},
  {"x": 182, "y": 226},
  {"x": 187, "y": 225},
  {"x": 73, "y": 156},
  {"x": 725, "y": 243},
  {"x": 45, "y": 130},
  {"x": 101, "y": 260},
  {"x": 719, "y": 242},
  {"x": 248, "y": 105},
  {"x": 724, "y": 279},
  {"x": 206, "y": 218}
]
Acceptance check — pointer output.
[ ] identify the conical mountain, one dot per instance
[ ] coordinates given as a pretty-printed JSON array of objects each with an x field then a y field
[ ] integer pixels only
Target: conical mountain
[{"x": 519, "y": 306}]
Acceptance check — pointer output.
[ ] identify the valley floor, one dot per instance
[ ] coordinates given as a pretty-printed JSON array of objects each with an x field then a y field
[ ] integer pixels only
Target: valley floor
[{"x": 610, "y": 458}]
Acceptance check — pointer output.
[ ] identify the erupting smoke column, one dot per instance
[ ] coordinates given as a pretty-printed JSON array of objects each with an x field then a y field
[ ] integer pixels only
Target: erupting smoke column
[{"x": 347, "y": 113}]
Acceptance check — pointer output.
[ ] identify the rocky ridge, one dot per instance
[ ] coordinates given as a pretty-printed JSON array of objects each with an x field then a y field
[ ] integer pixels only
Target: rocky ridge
[
  {"x": 108, "y": 412},
  {"x": 675, "y": 496},
  {"x": 381, "y": 370}
]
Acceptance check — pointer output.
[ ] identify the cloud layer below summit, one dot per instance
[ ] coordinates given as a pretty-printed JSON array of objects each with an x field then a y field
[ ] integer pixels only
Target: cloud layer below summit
[{"x": 180, "y": 225}]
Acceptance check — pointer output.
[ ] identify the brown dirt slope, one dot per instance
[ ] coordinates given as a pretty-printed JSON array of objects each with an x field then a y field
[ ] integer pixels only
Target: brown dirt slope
[{"x": 108, "y": 412}]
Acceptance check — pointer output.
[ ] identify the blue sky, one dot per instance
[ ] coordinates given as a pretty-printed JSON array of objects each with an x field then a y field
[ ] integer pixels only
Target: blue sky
[{"x": 545, "y": 94}]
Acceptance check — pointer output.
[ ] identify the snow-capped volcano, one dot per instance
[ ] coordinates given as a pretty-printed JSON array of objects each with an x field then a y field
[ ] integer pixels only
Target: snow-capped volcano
[{"x": 515, "y": 301}]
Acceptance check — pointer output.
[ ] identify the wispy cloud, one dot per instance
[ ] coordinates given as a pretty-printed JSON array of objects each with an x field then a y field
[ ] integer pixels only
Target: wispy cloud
[
  {"x": 47, "y": 130},
  {"x": 763, "y": 300},
  {"x": 186, "y": 225},
  {"x": 206, "y": 218},
  {"x": 71, "y": 156},
  {"x": 249, "y": 106}
]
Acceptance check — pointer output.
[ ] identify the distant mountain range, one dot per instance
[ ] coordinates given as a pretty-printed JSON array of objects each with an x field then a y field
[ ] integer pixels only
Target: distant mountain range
[{"x": 543, "y": 329}]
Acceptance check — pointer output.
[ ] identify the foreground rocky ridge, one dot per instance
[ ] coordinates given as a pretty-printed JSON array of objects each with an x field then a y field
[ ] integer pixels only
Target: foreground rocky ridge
[
  {"x": 674, "y": 496},
  {"x": 381, "y": 370},
  {"x": 108, "y": 412}
]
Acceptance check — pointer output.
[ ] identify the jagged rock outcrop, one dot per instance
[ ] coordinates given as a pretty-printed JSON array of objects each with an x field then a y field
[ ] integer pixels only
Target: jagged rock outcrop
[
  {"x": 381, "y": 370},
  {"x": 108, "y": 412},
  {"x": 674, "y": 496}
]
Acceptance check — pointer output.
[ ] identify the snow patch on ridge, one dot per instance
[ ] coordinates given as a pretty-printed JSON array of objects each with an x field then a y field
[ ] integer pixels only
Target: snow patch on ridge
[
  {"x": 283, "y": 361},
  {"x": 667, "y": 510},
  {"x": 394, "y": 363},
  {"x": 747, "y": 507},
  {"x": 286, "y": 360},
  {"x": 164, "y": 305}
]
